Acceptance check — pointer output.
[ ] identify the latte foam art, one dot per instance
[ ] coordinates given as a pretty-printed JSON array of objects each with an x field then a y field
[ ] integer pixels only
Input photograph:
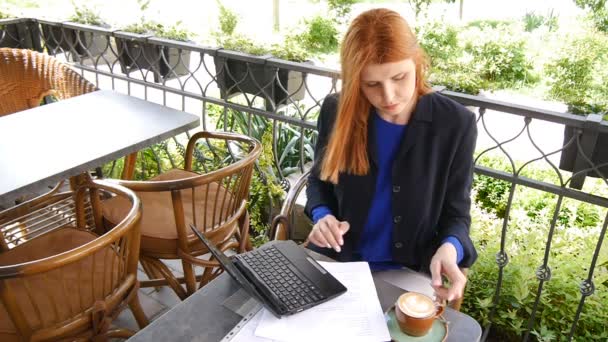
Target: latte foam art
[{"x": 415, "y": 305}]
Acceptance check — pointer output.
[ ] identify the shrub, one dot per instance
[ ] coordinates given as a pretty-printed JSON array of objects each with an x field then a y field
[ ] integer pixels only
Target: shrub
[
  {"x": 489, "y": 23},
  {"x": 228, "y": 20},
  {"x": 320, "y": 35},
  {"x": 551, "y": 21},
  {"x": 265, "y": 194},
  {"x": 500, "y": 56},
  {"x": 598, "y": 12},
  {"x": 459, "y": 77},
  {"x": 440, "y": 42},
  {"x": 532, "y": 21},
  {"x": 491, "y": 195},
  {"x": 290, "y": 142},
  {"x": 175, "y": 32},
  {"x": 569, "y": 258},
  {"x": 447, "y": 64},
  {"x": 227, "y": 38},
  {"x": 578, "y": 75},
  {"x": 487, "y": 55},
  {"x": 600, "y": 20},
  {"x": 86, "y": 16},
  {"x": 340, "y": 9}
]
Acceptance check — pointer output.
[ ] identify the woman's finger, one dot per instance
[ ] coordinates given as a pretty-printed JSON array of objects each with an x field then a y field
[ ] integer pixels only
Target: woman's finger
[
  {"x": 329, "y": 230},
  {"x": 318, "y": 238}
]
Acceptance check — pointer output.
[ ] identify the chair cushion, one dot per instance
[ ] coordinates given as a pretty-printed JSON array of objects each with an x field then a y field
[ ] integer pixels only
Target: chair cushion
[
  {"x": 71, "y": 286},
  {"x": 158, "y": 230}
]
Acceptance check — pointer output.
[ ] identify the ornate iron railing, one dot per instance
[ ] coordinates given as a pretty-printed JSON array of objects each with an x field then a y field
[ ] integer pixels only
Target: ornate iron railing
[{"x": 258, "y": 95}]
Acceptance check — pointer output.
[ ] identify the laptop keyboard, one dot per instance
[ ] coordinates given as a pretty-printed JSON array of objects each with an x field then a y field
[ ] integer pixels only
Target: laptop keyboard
[{"x": 278, "y": 274}]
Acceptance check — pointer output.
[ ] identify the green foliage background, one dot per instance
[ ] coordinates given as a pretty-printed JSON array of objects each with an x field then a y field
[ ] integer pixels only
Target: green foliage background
[{"x": 575, "y": 239}]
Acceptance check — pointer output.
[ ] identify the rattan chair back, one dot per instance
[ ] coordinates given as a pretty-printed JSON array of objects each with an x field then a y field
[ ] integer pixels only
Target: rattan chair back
[
  {"x": 27, "y": 76},
  {"x": 68, "y": 282},
  {"x": 211, "y": 196}
]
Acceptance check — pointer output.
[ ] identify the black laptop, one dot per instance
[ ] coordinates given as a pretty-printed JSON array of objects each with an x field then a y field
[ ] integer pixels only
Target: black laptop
[{"x": 281, "y": 276}]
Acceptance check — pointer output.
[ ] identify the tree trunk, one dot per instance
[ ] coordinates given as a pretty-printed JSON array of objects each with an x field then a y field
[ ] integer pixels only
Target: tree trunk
[
  {"x": 460, "y": 10},
  {"x": 275, "y": 15}
]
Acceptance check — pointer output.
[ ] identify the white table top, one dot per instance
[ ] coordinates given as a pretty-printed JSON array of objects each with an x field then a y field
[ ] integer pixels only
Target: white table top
[{"x": 53, "y": 142}]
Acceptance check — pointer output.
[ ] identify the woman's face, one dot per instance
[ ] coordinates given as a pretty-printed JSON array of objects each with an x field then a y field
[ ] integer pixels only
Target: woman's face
[{"x": 391, "y": 89}]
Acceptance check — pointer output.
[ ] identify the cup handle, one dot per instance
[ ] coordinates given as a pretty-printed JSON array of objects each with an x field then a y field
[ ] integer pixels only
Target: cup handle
[
  {"x": 440, "y": 310},
  {"x": 440, "y": 307}
]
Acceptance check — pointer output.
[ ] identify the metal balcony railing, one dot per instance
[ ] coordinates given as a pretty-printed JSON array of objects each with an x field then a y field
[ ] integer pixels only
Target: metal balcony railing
[{"x": 278, "y": 102}]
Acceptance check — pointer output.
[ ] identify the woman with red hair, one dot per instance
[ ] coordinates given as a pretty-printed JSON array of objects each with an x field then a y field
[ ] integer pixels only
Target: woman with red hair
[{"x": 393, "y": 163}]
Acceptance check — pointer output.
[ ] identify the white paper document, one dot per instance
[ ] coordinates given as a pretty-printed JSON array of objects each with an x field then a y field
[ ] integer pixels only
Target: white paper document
[
  {"x": 247, "y": 332},
  {"x": 353, "y": 316}
]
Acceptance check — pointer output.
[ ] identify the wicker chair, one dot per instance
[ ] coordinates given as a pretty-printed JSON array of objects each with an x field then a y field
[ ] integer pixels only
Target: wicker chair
[
  {"x": 68, "y": 282},
  {"x": 292, "y": 224},
  {"x": 212, "y": 197},
  {"x": 27, "y": 76}
]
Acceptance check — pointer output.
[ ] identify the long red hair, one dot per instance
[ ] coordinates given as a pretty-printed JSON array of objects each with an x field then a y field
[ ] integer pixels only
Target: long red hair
[{"x": 376, "y": 36}]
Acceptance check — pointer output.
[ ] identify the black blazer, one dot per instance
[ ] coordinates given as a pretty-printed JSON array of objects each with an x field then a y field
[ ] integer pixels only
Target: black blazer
[{"x": 431, "y": 177}]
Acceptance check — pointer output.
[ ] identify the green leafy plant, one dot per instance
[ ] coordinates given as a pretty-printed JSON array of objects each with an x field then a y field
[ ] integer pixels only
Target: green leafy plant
[
  {"x": 290, "y": 50},
  {"x": 228, "y": 20},
  {"x": 448, "y": 68},
  {"x": 551, "y": 21},
  {"x": 463, "y": 78},
  {"x": 145, "y": 26},
  {"x": 440, "y": 42},
  {"x": 482, "y": 56},
  {"x": 228, "y": 38},
  {"x": 491, "y": 195},
  {"x": 489, "y": 23},
  {"x": 577, "y": 76},
  {"x": 320, "y": 35},
  {"x": 86, "y": 15},
  {"x": 570, "y": 256},
  {"x": 449, "y": 65},
  {"x": 174, "y": 32},
  {"x": 152, "y": 161},
  {"x": 266, "y": 195},
  {"x": 289, "y": 142},
  {"x": 577, "y": 231},
  {"x": 598, "y": 12},
  {"x": 532, "y": 21},
  {"x": 420, "y": 6},
  {"x": 500, "y": 57},
  {"x": 340, "y": 9},
  {"x": 244, "y": 44}
]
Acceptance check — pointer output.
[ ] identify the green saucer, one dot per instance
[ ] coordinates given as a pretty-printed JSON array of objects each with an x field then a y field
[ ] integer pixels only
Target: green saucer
[{"x": 436, "y": 334}]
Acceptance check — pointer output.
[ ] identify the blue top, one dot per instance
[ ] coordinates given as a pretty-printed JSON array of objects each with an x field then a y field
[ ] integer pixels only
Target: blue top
[
  {"x": 376, "y": 240},
  {"x": 375, "y": 244}
]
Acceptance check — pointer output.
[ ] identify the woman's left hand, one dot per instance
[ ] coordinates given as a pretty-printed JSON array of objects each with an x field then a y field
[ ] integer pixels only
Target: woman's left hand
[{"x": 444, "y": 263}]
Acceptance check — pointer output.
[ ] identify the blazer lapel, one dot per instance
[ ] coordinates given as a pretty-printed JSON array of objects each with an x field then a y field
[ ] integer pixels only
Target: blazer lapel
[
  {"x": 410, "y": 139},
  {"x": 418, "y": 126}
]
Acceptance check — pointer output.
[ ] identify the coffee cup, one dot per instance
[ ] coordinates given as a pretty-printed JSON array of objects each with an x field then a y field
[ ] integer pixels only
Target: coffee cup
[{"x": 416, "y": 313}]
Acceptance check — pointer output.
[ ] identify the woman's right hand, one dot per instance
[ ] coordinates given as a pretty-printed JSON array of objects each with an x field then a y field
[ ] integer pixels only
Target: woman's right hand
[{"x": 328, "y": 231}]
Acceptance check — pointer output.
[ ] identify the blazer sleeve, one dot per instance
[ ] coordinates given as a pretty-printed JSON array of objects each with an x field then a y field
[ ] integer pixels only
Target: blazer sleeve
[
  {"x": 455, "y": 217},
  {"x": 319, "y": 192}
]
